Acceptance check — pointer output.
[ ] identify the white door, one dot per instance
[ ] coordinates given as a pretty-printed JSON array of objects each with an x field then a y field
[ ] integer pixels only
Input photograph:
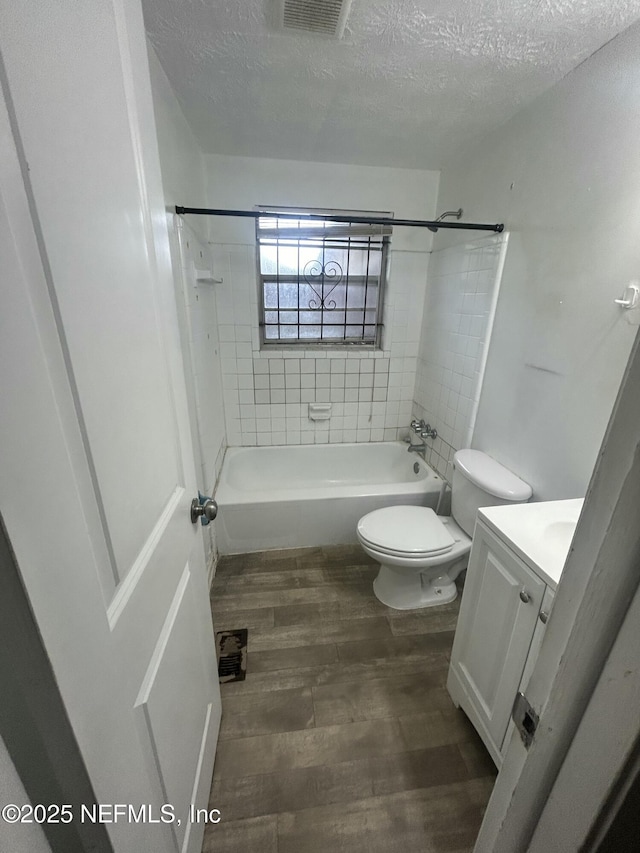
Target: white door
[{"x": 96, "y": 466}]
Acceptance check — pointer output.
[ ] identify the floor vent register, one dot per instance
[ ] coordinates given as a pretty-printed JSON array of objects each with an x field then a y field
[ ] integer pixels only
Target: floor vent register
[{"x": 232, "y": 655}]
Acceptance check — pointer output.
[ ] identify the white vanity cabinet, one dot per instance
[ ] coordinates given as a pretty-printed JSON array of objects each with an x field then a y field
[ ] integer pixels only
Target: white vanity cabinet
[{"x": 502, "y": 619}]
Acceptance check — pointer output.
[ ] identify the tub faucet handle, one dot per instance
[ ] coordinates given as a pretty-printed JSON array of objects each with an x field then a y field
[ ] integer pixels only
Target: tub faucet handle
[
  {"x": 417, "y": 425},
  {"x": 429, "y": 432}
]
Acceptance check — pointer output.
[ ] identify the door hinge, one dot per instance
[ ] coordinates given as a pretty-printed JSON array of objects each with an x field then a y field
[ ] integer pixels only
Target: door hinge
[{"x": 525, "y": 718}]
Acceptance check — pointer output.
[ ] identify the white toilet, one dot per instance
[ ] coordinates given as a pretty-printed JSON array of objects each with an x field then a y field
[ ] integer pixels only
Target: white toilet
[{"x": 421, "y": 553}]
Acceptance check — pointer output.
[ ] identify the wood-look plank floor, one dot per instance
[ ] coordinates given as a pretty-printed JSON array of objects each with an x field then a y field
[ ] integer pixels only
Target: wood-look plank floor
[{"x": 342, "y": 737}]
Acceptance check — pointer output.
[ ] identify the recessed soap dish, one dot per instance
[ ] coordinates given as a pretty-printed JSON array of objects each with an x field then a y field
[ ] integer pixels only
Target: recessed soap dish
[
  {"x": 319, "y": 411},
  {"x": 630, "y": 297},
  {"x": 206, "y": 277}
]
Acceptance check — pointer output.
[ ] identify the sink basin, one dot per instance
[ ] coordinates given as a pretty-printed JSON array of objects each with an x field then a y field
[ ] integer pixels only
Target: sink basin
[{"x": 540, "y": 533}]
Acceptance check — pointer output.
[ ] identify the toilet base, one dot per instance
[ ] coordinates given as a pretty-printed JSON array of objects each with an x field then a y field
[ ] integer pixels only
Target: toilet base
[{"x": 410, "y": 590}]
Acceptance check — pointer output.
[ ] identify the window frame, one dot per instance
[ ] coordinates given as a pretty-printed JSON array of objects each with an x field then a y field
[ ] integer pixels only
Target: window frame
[{"x": 327, "y": 343}]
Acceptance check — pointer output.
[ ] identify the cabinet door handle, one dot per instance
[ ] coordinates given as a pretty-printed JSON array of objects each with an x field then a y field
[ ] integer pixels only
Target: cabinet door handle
[
  {"x": 544, "y": 616},
  {"x": 525, "y": 598}
]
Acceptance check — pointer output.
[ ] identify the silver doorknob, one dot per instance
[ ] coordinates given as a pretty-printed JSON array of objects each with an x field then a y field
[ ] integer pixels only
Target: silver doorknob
[
  {"x": 525, "y": 598},
  {"x": 206, "y": 511}
]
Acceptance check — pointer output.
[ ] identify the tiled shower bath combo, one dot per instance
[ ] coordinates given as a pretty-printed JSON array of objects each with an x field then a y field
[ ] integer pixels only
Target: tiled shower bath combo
[{"x": 267, "y": 392}]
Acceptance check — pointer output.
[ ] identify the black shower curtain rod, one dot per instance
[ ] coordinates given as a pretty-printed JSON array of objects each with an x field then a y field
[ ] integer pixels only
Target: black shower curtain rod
[{"x": 361, "y": 220}]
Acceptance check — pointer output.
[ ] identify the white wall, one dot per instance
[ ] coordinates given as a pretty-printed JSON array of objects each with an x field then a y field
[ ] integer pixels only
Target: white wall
[
  {"x": 182, "y": 161},
  {"x": 183, "y": 182},
  {"x": 564, "y": 175},
  {"x": 267, "y": 392}
]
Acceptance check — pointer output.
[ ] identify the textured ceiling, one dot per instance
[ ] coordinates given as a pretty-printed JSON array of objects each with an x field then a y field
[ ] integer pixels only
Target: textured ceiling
[{"x": 410, "y": 83}]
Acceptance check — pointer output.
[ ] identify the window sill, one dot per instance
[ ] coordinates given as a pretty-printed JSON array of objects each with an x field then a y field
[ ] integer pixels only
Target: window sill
[{"x": 312, "y": 350}]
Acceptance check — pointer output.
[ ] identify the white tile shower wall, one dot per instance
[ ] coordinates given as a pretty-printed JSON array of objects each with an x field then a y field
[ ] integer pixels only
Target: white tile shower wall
[
  {"x": 267, "y": 393},
  {"x": 464, "y": 282},
  {"x": 204, "y": 349},
  {"x": 201, "y": 348}
]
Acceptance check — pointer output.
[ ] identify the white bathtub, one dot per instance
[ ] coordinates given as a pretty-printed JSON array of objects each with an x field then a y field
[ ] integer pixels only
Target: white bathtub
[{"x": 305, "y": 495}]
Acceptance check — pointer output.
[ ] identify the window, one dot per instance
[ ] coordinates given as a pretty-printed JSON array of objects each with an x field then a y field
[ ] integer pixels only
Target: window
[{"x": 321, "y": 282}]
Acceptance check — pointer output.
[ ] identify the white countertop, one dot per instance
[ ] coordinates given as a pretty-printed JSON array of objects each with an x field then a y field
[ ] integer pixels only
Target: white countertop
[{"x": 539, "y": 533}]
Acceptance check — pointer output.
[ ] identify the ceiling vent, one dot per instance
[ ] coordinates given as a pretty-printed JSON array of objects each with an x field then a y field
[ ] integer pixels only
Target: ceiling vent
[{"x": 321, "y": 17}]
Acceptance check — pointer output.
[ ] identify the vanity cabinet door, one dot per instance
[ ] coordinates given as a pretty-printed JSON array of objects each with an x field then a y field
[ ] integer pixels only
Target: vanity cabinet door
[{"x": 498, "y": 614}]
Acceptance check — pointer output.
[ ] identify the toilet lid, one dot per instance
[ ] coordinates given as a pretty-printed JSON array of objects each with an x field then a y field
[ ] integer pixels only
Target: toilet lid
[{"x": 413, "y": 530}]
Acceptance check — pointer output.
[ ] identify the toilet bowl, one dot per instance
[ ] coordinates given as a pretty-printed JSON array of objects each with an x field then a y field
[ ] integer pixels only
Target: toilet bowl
[{"x": 420, "y": 553}]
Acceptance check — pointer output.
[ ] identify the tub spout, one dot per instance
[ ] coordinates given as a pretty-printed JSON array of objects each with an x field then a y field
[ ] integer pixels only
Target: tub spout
[{"x": 417, "y": 448}]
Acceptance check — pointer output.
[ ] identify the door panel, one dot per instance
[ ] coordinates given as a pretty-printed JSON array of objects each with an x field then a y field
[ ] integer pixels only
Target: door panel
[
  {"x": 175, "y": 698},
  {"x": 88, "y": 196}
]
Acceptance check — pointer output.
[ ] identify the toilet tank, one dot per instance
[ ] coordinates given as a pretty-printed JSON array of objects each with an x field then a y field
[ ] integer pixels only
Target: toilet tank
[{"x": 478, "y": 480}]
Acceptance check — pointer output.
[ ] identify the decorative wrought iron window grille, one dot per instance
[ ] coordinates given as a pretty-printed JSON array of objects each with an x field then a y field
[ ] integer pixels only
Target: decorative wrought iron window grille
[{"x": 321, "y": 282}]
